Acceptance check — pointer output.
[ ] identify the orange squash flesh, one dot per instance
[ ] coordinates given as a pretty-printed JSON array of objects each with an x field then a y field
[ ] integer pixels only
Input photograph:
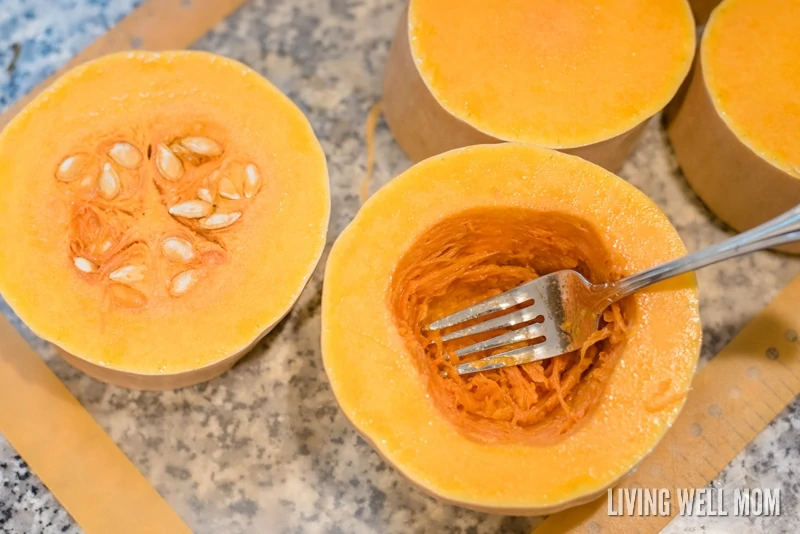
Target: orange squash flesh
[
  {"x": 574, "y": 214},
  {"x": 94, "y": 255}
]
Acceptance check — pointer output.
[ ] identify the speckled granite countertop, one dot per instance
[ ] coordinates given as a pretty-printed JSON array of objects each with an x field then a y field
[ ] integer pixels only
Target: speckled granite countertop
[{"x": 264, "y": 448}]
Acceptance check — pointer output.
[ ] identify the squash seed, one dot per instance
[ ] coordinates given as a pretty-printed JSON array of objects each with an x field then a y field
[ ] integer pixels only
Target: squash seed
[
  {"x": 71, "y": 166},
  {"x": 109, "y": 182},
  {"x": 183, "y": 282},
  {"x": 220, "y": 220},
  {"x": 87, "y": 182},
  {"x": 192, "y": 209},
  {"x": 127, "y": 296},
  {"x": 185, "y": 154},
  {"x": 228, "y": 190},
  {"x": 203, "y": 193},
  {"x": 125, "y": 154},
  {"x": 169, "y": 165},
  {"x": 252, "y": 181},
  {"x": 128, "y": 274},
  {"x": 83, "y": 265},
  {"x": 177, "y": 249},
  {"x": 202, "y": 145}
]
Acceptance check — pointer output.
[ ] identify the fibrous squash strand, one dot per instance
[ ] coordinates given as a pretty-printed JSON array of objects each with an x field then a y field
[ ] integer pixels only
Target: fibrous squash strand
[{"x": 482, "y": 253}]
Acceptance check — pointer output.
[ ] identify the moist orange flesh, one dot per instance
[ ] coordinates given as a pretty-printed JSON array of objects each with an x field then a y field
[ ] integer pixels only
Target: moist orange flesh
[{"x": 481, "y": 253}]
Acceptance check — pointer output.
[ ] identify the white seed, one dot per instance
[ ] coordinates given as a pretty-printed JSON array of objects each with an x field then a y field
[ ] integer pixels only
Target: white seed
[
  {"x": 183, "y": 282},
  {"x": 128, "y": 274},
  {"x": 109, "y": 182},
  {"x": 87, "y": 182},
  {"x": 83, "y": 264},
  {"x": 228, "y": 190},
  {"x": 203, "y": 193},
  {"x": 179, "y": 150},
  {"x": 220, "y": 220},
  {"x": 126, "y": 155},
  {"x": 202, "y": 145},
  {"x": 177, "y": 249},
  {"x": 169, "y": 165},
  {"x": 192, "y": 209},
  {"x": 98, "y": 249},
  {"x": 127, "y": 296},
  {"x": 70, "y": 168},
  {"x": 252, "y": 181}
]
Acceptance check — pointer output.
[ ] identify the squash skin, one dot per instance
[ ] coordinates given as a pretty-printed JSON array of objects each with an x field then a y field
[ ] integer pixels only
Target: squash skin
[
  {"x": 377, "y": 385},
  {"x": 743, "y": 179},
  {"x": 190, "y": 360},
  {"x": 424, "y": 126}
]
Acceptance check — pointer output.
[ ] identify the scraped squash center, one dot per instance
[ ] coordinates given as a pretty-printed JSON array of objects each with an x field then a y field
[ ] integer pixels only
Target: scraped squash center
[
  {"x": 149, "y": 214},
  {"x": 481, "y": 253}
]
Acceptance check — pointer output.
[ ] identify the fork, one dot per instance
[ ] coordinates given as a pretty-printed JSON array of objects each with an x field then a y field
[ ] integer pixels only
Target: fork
[{"x": 571, "y": 306}]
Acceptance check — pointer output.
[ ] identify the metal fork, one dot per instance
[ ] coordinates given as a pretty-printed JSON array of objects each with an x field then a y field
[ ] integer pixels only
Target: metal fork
[{"x": 571, "y": 306}]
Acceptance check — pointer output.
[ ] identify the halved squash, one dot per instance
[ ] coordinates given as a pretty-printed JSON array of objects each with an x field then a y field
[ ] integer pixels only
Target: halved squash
[
  {"x": 464, "y": 225},
  {"x": 737, "y": 133},
  {"x": 161, "y": 212},
  {"x": 579, "y": 75}
]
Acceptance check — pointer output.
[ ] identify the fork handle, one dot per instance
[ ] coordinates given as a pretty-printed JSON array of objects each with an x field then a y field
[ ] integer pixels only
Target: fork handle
[{"x": 782, "y": 229}]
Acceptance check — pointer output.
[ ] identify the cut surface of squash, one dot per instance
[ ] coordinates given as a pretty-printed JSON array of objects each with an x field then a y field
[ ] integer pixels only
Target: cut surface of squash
[
  {"x": 736, "y": 133},
  {"x": 470, "y": 223},
  {"x": 157, "y": 221},
  {"x": 566, "y": 75}
]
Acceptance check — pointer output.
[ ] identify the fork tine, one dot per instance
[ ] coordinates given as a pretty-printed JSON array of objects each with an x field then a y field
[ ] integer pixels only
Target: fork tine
[
  {"x": 510, "y": 319},
  {"x": 523, "y": 334},
  {"x": 507, "y": 359},
  {"x": 503, "y": 301}
]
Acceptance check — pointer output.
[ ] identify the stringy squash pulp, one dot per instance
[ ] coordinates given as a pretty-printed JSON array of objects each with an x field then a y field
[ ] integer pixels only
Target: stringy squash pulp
[
  {"x": 161, "y": 210},
  {"x": 455, "y": 229}
]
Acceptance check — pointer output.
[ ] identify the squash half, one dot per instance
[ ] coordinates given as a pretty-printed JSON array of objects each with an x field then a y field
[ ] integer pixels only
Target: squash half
[
  {"x": 583, "y": 76},
  {"x": 161, "y": 212},
  {"x": 475, "y": 221},
  {"x": 736, "y": 134}
]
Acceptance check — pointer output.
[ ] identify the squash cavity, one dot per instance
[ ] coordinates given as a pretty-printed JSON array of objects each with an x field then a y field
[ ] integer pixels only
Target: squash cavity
[{"x": 481, "y": 253}]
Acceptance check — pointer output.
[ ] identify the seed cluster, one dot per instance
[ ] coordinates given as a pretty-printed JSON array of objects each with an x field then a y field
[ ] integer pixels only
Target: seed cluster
[{"x": 202, "y": 192}]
